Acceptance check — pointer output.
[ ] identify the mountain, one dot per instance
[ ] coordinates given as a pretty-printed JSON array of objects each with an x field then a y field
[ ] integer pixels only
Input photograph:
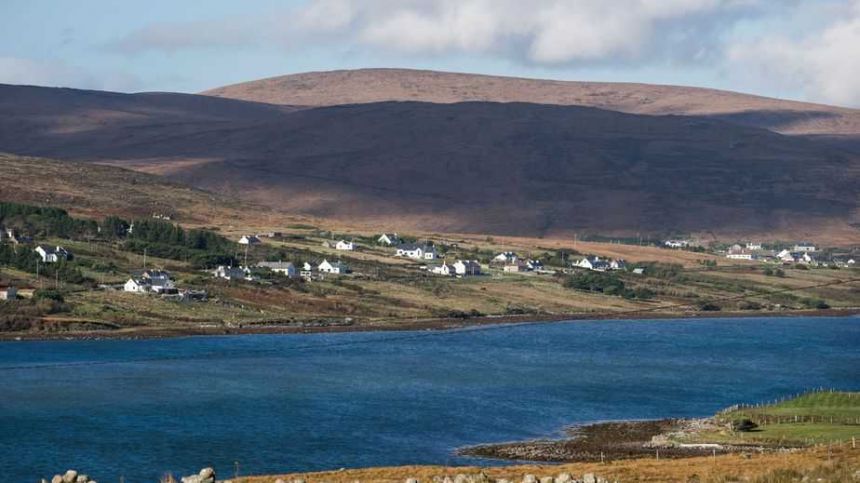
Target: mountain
[
  {"x": 481, "y": 167},
  {"x": 380, "y": 85}
]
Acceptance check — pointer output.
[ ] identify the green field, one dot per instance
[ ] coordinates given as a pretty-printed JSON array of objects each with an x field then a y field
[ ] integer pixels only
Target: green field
[{"x": 811, "y": 418}]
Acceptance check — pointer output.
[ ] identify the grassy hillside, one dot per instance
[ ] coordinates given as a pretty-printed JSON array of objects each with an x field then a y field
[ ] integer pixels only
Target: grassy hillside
[{"x": 95, "y": 191}]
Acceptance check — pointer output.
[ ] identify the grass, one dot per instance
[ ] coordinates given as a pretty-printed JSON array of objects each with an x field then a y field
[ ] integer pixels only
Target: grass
[
  {"x": 833, "y": 464},
  {"x": 813, "y": 418}
]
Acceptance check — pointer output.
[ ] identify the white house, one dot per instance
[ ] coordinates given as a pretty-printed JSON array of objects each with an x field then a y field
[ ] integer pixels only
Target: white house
[
  {"x": 785, "y": 256},
  {"x": 418, "y": 252},
  {"x": 443, "y": 269},
  {"x": 344, "y": 245},
  {"x": 677, "y": 243},
  {"x": 337, "y": 267},
  {"x": 617, "y": 264},
  {"x": 803, "y": 247},
  {"x": 753, "y": 246},
  {"x": 157, "y": 281},
  {"x": 52, "y": 254},
  {"x": 232, "y": 273},
  {"x": 736, "y": 252},
  {"x": 8, "y": 293},
  {"x": 467, "y": 267},
  {"x": 517, "y": 266},
  {"x": 534, "y": 265},
  {"x": 307, "y": 271},
  {"x": 249, "y": 240},
  {"x": 284, "y": 268},
  {"x": 506, "y": 257},
  {"x": 593, "y": 263},
  {"x": 137, "y": 285},
  {"x": 388, "y": 239}
]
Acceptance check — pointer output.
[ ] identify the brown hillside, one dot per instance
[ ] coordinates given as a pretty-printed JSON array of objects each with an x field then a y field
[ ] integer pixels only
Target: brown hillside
[
  {"x": 510, "y": 168},
  {"x": 378, "y": 85}
]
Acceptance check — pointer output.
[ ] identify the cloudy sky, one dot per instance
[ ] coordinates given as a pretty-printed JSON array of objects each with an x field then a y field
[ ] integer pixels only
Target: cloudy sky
[{"x": 800, "y": 49}]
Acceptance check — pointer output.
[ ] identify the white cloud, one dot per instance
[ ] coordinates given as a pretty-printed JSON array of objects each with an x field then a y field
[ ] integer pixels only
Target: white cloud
[{"x": 824, "y": 64}]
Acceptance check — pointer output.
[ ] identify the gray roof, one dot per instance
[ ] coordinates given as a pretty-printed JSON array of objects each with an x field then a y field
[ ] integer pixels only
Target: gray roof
[{"x": 276, "y": 265}]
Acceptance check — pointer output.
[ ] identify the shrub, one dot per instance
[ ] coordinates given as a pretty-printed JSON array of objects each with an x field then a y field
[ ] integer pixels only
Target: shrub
[
  {"x": 48, "y": 294},
  {"x": 709, "y": 307},
  {"x": 744, "y": 425},
  {"x": 749, "y": 305}
]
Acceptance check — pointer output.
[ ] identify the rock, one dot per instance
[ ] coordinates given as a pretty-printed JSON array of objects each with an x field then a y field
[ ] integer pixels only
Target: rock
[
  {"x": 191, "y": 479},
  {"x": 82, "y": 479},
  {"x": 563, "y": 478},
  {"x": 547, "y": 479},
  {"x": 298, "y": 480},
  {"x": 57, "y": 479},
  {"x": 207, "y": 473},
  {"x": 447, "y": 479},
  {"x": 411, "y": 480},
  {"x": 461, "y": 478},
  {"x": 280, "y": 481},
  {"x": 530, "y": 479},
  {"x": 502, "y": 480},
  {"x": 589, "y": 478},
  {"x": 70, "y": 476},
  {"x": 481, "y": 478}
]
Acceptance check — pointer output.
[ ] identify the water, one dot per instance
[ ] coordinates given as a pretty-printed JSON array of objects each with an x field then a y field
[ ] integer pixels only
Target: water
[{"x": 278, "y": 403}]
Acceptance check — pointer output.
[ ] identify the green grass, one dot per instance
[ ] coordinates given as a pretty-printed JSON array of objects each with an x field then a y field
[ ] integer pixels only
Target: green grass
[{"x": 815, "y": 417}]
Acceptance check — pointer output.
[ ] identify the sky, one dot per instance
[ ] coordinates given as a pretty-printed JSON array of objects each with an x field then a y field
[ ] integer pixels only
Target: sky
[{"x": 798, "y": 49}]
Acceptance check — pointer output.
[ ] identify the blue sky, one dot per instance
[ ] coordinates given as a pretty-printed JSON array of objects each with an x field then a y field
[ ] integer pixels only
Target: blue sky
[{"x": 800, "y": 49}]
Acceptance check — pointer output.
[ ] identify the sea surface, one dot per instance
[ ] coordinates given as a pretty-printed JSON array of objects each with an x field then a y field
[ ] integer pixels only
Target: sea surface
[{"x": 276, "y": 403}]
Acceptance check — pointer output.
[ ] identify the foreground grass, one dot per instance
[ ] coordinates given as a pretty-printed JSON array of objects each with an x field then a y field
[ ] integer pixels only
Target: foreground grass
[{"x": 831, "y": 464}]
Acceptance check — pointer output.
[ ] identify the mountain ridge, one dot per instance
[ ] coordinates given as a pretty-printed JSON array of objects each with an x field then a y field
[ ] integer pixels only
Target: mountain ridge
[
  {"x": 338, "y": 87},
  {"x": 471, "y": 167}
]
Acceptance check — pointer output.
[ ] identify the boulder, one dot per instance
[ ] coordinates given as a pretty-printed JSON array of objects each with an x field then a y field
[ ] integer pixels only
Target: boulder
[
  {"x": 589, "y": 478},
  {"x": 57, "y": 479},
  {"x": 547, "y": 479},
  {"x": 563, "y": 478},
  {"x": 530, "y": 479},
  {"x": 191, "y": 479},
  {"x": 411, "y": 480},
  {"x": 82, "y": 479},
  {"x": 461, "y": 478},
  {"x": 70, "y": 476},
  {"x": 279, "y": 480}
]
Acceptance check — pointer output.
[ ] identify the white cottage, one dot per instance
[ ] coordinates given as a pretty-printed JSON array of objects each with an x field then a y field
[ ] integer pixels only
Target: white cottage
[
  {"x": 467, "y": 267},
  {"x": 337, "y": 267},
  {"x": 418, "y": 252},
  {"x": 344, "y": 245},
  {"x": 52, "y": 254}
]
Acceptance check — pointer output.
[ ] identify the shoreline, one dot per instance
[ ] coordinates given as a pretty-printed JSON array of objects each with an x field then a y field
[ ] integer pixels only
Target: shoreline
[
  {"x": 436, "y": 324},
  {"x": 605, "y": 441}
]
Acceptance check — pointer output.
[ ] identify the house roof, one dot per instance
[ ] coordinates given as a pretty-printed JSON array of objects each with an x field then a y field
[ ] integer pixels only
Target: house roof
[{"x": 415, "y": 246}]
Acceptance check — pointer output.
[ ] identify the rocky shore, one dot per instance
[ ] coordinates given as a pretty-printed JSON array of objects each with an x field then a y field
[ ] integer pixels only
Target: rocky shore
[{"x": 603, "y": 442}]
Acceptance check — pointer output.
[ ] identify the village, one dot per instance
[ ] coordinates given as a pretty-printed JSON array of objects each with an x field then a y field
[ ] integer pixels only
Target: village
[{"x": 308, "y": 275}]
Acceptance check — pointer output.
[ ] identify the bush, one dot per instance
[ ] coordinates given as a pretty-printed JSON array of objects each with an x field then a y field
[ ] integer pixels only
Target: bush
[
  {"x": 743, "y": 425},
  {"x": 48, "y": 294},
  {"x": 748, "y": 305},
  {"x": 710, "y": 307}
]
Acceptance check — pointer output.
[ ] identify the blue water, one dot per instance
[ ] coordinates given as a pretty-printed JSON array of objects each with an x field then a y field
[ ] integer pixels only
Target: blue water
[{"x": 278, "y": 403}]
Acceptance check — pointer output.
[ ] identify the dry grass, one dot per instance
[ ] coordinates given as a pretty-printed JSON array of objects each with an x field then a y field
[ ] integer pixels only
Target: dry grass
[{"x": 723, "y": 468}]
